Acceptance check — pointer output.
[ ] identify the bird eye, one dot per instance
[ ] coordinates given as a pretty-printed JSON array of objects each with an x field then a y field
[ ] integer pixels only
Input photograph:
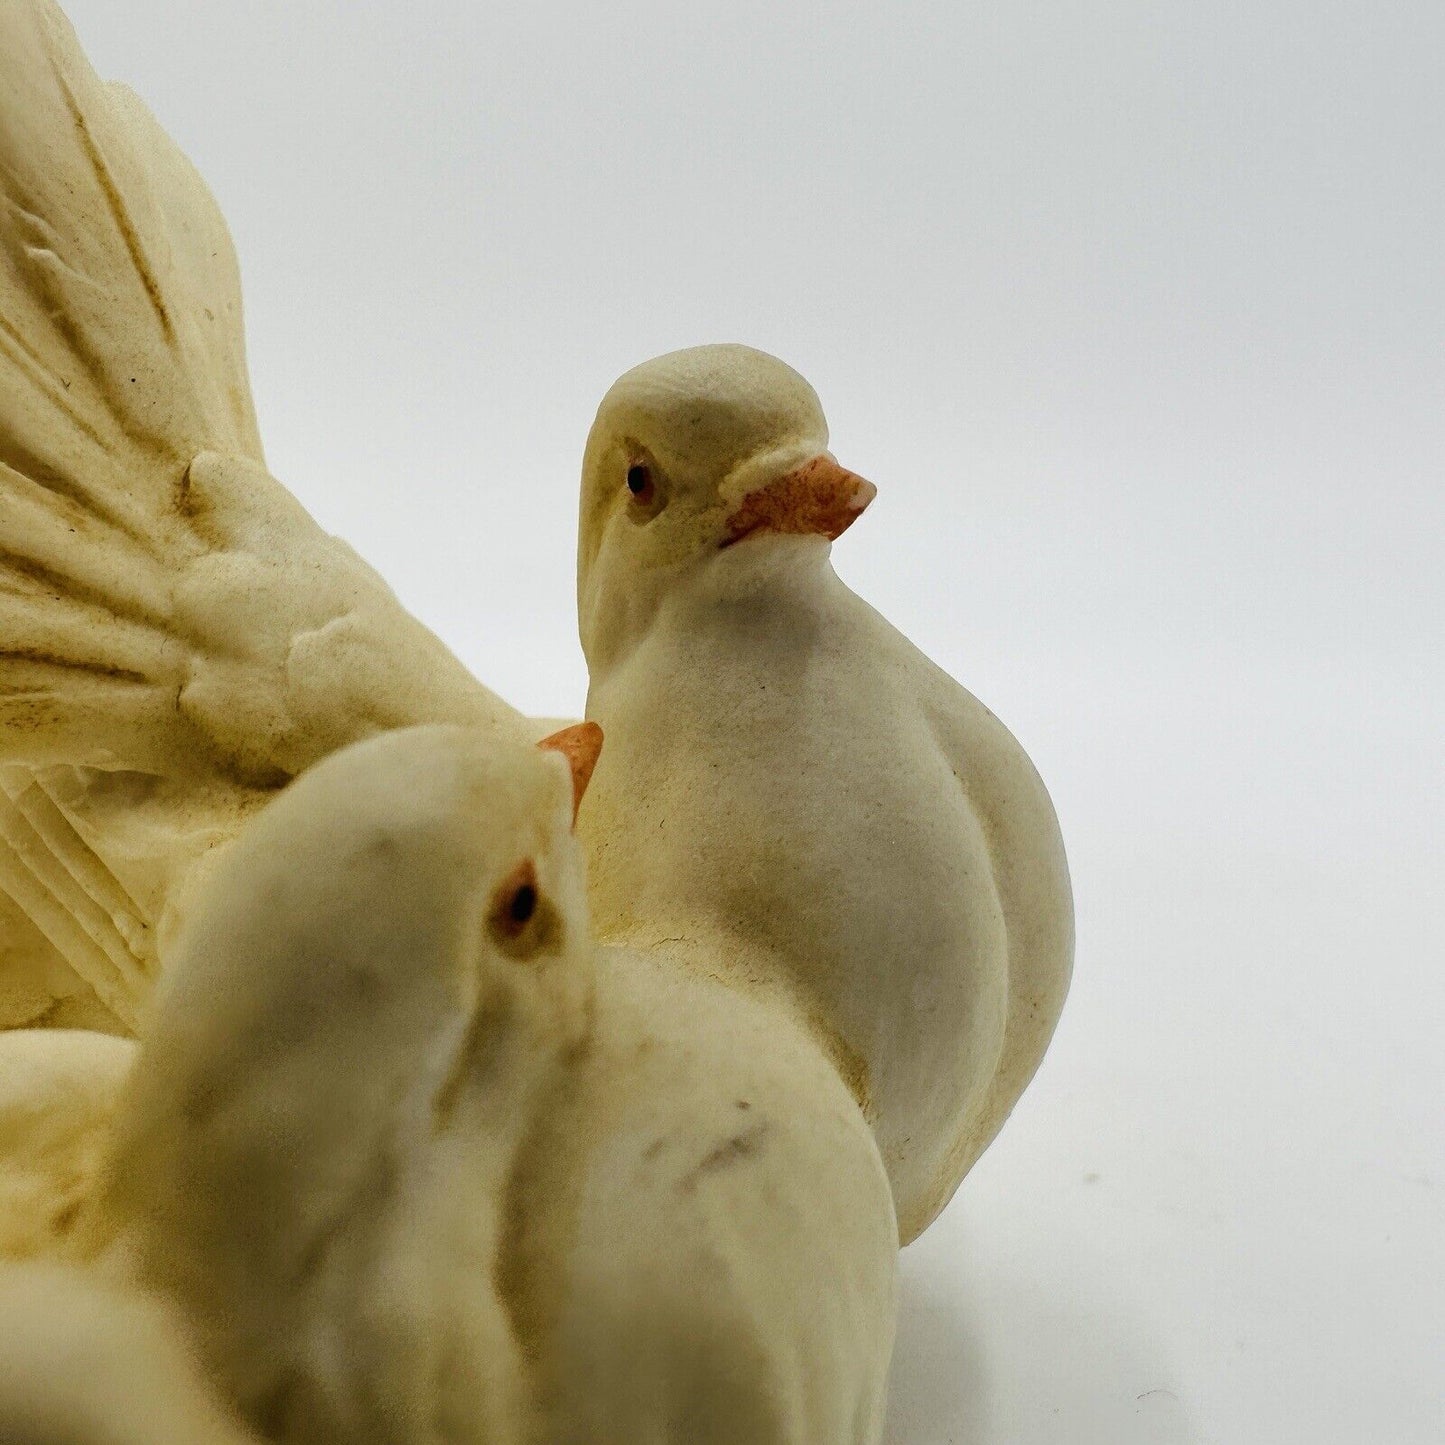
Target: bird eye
[
  {"x": 521, "y": 921},
  {"x": 641, "y": 484},
  {"x": 522, "y": 904},
  {"x": 648, "y": 489}
]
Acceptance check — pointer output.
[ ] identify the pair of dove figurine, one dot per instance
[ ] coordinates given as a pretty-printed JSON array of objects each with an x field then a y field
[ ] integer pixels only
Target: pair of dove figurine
[{"x": 473, "y": 1101}]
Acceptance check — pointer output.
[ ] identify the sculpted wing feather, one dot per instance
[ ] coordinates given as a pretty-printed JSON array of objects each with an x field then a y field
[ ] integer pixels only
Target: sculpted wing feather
[{"x": 177, "y": 636}]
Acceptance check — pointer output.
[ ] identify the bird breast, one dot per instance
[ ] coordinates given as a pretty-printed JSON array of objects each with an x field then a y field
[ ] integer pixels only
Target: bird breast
[{"x": 771, "y": 783}]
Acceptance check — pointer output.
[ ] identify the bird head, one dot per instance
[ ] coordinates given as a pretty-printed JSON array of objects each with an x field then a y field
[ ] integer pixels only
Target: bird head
[
  {"x": 697, "y": 458},
  {"x": 371, "y": 993}
]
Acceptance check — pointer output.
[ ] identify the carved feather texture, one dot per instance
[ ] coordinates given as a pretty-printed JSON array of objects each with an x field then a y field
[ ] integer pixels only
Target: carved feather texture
[
  {"x": 121, "y": 357},
  {"x": 167, "y": 610}
]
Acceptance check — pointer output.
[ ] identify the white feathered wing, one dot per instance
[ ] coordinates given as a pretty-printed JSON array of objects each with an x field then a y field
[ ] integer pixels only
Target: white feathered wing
[{"x": 177, "y": 636}]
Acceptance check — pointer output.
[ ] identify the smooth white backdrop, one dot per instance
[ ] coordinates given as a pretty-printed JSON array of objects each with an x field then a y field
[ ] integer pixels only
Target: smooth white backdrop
[{"x": 1134, "y": 312}]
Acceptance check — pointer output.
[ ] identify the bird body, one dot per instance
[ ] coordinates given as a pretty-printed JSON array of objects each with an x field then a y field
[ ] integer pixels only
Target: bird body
[
  {"x": 791, "y": 788},
  {"x": 708, "y": 1248}
]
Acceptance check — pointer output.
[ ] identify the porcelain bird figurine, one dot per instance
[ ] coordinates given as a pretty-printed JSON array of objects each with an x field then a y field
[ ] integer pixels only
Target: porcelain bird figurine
[
  {"x": 421, "y": 1165},
  {"x": 373, "y": 1001},
  {"x": 413, "y": 1156},
  {"x": 792, "y": 795}
]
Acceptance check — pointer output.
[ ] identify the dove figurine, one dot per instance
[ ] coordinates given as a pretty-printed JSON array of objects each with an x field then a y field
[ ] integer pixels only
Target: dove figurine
[
  {"x": 178, "y": 638},
  {"x": 316, "y": 1155},
  {"x": 793, "y": 798},
  {"x": 419, "y": 1164},
  {"x": 411, "y": 1157}
]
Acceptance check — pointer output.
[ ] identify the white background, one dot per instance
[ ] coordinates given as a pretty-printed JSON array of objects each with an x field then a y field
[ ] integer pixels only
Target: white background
[{"x": 1134, "y": 314}]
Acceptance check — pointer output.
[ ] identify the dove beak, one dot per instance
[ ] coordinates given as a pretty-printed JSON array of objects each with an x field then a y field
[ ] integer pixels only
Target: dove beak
[
  {"x": 819, "y": 499},
  {"x": 581, "y": 745}
]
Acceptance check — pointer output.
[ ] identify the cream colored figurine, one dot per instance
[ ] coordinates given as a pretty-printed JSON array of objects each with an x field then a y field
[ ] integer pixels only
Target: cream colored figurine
[
  {"x": 420, "y": 1165},
  {"x": 372, "y": 1004},
  {"x": 441, "y": 1124},
  {"x": 792, "y": 795}
]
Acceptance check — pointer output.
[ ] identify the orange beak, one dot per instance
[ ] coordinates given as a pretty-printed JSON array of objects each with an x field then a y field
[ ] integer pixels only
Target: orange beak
[
  {"x": 580, "y": 744},
  {"x": 817, "y": 499}
]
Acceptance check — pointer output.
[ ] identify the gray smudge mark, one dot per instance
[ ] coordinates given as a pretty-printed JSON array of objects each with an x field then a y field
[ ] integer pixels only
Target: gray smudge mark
[{"x": 731, "y": 1151}]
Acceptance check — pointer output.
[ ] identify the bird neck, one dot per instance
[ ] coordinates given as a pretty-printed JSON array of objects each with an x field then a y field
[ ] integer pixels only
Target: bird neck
[{"x": 773, "y": 584}]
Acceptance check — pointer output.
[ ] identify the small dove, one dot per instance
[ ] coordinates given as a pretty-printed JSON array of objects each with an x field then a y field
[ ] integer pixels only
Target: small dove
[
  {"x": 421, "y": 1165},
  {"x": 793, "y": 796},
  {"x": 382, "y": 982}
]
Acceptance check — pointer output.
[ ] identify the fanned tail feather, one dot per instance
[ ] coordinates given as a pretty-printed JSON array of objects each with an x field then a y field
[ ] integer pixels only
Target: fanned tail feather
[
  {"x": 121, "y": 344},
  {"x": 177, "y": 637},
  {"x": 121, "y": 357}
]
